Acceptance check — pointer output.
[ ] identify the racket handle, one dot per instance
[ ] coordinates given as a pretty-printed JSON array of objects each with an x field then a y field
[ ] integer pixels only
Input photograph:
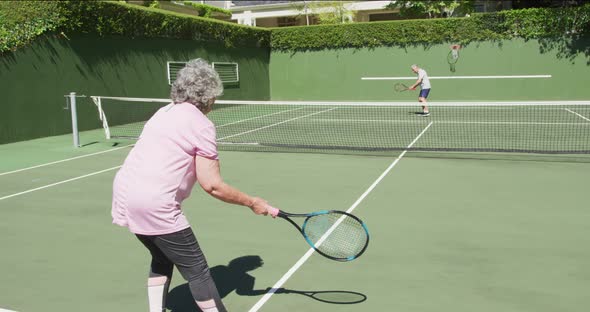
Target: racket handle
[{"x": 274, "y": 212}]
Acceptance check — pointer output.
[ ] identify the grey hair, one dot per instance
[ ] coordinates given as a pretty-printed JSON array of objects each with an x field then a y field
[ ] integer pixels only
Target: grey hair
[
  {"x": 197, "y": 83},
  {"x": 414, "y": 66}
]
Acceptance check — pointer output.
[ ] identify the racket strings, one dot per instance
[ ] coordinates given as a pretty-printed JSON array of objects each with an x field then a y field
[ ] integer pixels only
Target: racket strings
[
  {"x": 400, "y": 87},
  {"x": 347, "y": 239}
]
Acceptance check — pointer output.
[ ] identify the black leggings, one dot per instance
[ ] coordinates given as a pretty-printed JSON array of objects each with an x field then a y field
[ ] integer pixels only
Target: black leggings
[{"x": 182, "y": 249}]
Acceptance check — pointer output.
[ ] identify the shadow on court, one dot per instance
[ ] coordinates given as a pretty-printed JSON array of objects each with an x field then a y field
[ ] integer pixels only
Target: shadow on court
[{"x": 235, "y": 277}]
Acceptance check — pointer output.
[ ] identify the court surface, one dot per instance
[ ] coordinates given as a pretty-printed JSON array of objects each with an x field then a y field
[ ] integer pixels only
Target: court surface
[{"x": 447, "y": 234}]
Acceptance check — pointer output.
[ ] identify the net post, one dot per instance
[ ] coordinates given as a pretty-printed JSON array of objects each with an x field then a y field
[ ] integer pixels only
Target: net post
[{"x": 75, "y": 132}]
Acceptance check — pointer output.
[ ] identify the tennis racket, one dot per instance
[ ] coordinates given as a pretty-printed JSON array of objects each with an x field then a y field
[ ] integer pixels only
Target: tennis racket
[
  {"x": 453, "y": 55},
  {"x": 400, "y": 87},
  {"x": 334, "y": 234}
]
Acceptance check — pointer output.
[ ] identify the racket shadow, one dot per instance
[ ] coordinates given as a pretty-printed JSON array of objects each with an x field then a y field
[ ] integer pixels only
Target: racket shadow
[
  {"x": 234, "y": 277},
  {"x": 328, "y": 296}
]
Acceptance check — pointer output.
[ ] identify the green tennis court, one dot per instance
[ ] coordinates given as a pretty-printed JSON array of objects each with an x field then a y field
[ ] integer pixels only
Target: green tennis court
[
  {"x": 475, "y": 200},
  {"x": 450, "y": 231}
]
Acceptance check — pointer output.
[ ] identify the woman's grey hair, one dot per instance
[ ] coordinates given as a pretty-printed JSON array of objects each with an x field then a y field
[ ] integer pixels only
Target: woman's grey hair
[{"x": 197, "y": 83}]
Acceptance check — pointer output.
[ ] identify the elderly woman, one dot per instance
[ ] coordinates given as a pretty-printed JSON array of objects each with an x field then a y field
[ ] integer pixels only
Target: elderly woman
[{"x": 176, "y": 149}]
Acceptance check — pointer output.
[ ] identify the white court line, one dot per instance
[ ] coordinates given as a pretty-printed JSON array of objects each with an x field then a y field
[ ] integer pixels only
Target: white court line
[
  {"x": 571, "y": 111},
  {"x": 276, "y": 124},
  {"x": 118, "y": 148},
  {"x": 238, "y": 143},
  {"x": 421, "y": 121},
  {"x": 58, "y": 183},
  {"x": 4, "y": 310},
  {"x": 243, "y": 120},
  {"x": 113, "y": 168},
  {"x": 306, "y": 256},
  {"x": 397, "y": 104},
  {"x": 361, "y": 103},
  {"x": 64, "y": 160},
  {"x": 459, "y": 77}
]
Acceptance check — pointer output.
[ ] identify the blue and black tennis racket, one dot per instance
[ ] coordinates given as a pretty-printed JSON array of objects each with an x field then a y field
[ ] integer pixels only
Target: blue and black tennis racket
[{"x": 336, "y": 235}]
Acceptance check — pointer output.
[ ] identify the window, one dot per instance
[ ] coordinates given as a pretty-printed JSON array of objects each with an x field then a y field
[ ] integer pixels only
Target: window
[
  {"x": 228, "y": 72},
  {"x": 172, "y": 70},
  {"x": 383, "y": 17},
  {"x": 287, "y": 21}
]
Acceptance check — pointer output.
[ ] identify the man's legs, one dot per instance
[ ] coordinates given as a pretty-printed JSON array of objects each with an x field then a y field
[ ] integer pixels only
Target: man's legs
[
  {"x": 422, "y": 99},
  {"x": 424, "y": 105}
]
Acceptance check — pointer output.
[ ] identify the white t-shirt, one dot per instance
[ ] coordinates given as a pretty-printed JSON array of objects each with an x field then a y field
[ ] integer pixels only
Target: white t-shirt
[{"x": 425, "y": 81}]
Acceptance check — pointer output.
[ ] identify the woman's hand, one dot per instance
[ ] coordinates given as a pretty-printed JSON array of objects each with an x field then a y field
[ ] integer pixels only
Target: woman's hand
[{"x": 259, "y": 206}]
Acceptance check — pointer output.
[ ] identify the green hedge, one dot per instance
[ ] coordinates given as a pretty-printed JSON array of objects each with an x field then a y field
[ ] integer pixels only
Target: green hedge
[
  {"x": 108, "y": 18},
  {"x": 538, "y": 23},
  {"x": 206, "y": 10},
  {"x": 526, "y": 23},
  {"x": 22, "y": 21},
  {"x": 116, "y": 18}
]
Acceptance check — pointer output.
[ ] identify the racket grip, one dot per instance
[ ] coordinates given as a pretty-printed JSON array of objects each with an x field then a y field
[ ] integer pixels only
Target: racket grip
[{"x": 274, "y": 212}]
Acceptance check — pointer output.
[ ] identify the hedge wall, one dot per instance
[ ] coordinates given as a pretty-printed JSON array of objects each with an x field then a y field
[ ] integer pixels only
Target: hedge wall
[
  {"x": 108, "y": 18},
  {"x": 116, "y": 18},
  {"x": 22, "y": 21},
  {"x": 526, "y": 23}
]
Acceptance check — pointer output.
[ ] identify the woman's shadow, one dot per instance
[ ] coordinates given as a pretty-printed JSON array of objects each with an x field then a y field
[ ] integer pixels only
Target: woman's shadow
[
  {"x": 228, "y": 278},
  {"x": 235, "y": 277}
]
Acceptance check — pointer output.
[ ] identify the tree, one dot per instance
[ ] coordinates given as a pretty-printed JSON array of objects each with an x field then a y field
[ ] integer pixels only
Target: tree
[
  {"x": 327, "y": 12},
  {"x": 432, "y": 9},
  {"x": 525, "y": 4},
  {"x": 303, "y": 8}
]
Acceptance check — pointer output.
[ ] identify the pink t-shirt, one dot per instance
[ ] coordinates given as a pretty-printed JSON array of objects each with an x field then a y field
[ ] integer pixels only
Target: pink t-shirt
[{"x": 159, "y": 172}]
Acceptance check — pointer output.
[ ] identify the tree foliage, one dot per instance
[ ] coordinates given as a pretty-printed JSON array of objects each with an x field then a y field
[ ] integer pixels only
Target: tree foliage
[
  {"x": 206, "y": 10},
  {"x": 527, "y": 4},
  {"x": 22, "y": 21},
  {"x": 332, "y": 12},
  {"x": 431, "y": 9}
]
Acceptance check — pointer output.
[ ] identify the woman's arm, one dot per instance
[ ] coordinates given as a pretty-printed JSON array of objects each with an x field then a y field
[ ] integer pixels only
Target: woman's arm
[{"x": 209, "y": 178}]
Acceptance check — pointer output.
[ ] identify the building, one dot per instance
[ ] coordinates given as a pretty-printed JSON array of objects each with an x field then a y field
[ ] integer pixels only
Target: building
[{"x": 298, "y": 13}]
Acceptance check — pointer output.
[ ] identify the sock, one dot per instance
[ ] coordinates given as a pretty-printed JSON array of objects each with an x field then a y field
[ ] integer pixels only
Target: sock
[
  {"x": 157, "y": 295},
  {"x": 207, "y": 306}
]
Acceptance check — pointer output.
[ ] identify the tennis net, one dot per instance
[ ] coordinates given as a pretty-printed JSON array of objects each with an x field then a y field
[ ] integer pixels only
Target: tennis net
[{"x": 376, "y": 127}]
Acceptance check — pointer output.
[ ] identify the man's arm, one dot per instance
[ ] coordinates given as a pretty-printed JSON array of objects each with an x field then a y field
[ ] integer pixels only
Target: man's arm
[
  {"x": 209, "y": 178},
  {"x": 419, "y": 81}
]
